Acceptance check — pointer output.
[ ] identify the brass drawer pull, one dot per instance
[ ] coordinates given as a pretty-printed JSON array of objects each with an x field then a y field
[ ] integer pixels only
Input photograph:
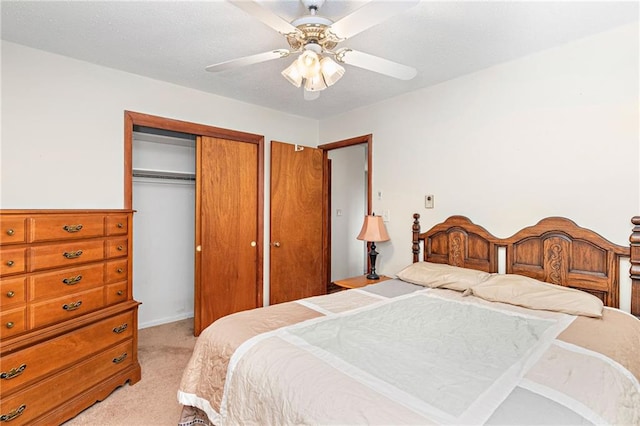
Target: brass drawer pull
[
  {"x": 72, "y": 280},
  {"x": 73, "y": 254},
  {"x": 72, "y": 228},
  {"x": 14, "y": 372},
  {"x": 119, "y": 359},
  {"x": 10, "y": 263},
  {"x": 120, "y": 292},
  {"x": 10, "y": 324},
  {"x": 72, "y": 306},
  {"x": 120, "y": 225},
  {"x": 10, "y": 232},
  {"x": 119, "y": 270},
  {"x": 11, "y": 293},
  {"x": 13, "y": 414},
  {"x": 120, "y": 329},
  {"x": 120, "y": 248}
]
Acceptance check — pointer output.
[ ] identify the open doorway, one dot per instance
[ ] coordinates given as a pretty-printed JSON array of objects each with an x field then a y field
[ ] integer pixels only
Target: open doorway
[{"x": 349, "y": 197}]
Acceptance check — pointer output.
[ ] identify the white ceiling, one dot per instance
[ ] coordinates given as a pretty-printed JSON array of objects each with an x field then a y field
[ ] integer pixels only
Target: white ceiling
[{"x": 174, "y": 41}]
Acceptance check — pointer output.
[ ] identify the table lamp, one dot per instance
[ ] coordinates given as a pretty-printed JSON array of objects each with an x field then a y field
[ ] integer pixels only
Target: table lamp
[{"x": 373, "y": 231}]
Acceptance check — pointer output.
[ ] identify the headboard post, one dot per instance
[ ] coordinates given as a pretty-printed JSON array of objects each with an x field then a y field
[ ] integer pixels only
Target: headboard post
[
  {"x": 635, "y": 266},
  {"x": 415, "y": 248}
]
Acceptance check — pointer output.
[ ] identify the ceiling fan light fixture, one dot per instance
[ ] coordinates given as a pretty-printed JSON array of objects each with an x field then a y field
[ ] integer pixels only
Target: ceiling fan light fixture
[
  {"x": 331, "y": 70},
  {"x": 315, "y": 83},
  {"x": 293, "y": 74}
]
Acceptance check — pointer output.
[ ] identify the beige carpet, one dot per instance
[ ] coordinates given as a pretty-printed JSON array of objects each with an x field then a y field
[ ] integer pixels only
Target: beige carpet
[{"x": 163, "y": 352}]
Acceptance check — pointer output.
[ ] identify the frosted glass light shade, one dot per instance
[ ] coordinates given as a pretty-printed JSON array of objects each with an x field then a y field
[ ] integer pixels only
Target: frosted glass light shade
[
  {"x": 315, "y": 83},
  {"x": 331, "y": 70},
  {"x": 309, "y": 64},
  {"x": 293, "y": 74}
]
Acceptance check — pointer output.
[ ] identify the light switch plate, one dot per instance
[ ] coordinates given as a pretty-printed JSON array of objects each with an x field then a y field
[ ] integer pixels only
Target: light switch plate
[{"x": 428, "y": 201}]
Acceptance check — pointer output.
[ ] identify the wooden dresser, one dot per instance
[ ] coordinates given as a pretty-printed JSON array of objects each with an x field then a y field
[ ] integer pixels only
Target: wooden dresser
[{"x": 68, "y": 321}]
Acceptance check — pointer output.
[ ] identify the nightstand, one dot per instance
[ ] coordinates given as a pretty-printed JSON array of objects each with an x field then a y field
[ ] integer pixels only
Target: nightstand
[{"x": 359, "y": 281}]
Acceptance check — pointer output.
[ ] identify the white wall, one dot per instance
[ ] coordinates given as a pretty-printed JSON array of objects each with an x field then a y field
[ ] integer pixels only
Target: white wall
[
  {"x": 554, "y": 133},
  {"x": 63, "y": 128}
]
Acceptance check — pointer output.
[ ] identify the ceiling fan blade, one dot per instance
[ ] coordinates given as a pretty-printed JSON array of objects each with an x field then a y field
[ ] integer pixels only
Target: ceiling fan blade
[
  {"x": 369, "y": 15},
  {"x": 248, "y": 60},
  {"x": 376, "y": 64},
  {"x": 265, "y": 15}
]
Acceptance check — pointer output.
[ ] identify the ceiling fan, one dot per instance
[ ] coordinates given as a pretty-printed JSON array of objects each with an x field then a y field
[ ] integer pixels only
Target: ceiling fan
[{"x": 316, "y": 39}]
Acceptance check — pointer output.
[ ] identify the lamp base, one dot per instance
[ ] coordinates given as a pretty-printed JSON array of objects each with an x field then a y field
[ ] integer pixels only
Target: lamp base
[{"x": 372, "y": 260}]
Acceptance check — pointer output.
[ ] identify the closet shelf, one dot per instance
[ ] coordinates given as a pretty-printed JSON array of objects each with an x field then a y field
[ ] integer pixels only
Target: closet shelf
[{"x": 163, "y": 174}]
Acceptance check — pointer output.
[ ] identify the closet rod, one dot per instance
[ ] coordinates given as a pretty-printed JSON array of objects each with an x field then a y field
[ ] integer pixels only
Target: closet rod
[{"x": 163, "y": 174}]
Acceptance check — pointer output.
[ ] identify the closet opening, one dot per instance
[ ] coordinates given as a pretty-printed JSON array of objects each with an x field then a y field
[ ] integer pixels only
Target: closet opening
[{"x": 164, "y": 178}]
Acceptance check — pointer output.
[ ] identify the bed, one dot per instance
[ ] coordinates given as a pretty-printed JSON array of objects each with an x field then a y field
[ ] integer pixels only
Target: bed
[{"x": 448, "y": 341}]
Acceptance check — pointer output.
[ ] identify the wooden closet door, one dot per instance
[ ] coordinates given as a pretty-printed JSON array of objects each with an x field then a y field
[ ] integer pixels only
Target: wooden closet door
[
  {"x": 297, "y": 212},
  {"x": 226, "y": 229}
]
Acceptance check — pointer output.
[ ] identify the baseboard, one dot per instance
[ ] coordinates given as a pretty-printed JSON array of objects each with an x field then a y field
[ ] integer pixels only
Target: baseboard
[{"x": 165, "y": 320}]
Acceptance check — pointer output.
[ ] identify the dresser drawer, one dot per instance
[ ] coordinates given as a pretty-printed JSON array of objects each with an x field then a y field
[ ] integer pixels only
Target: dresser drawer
[
  {"x": 12, "y": 229},
  {"x": 25, "y": 366},
  {"x": 68, "y": 254},
  {"x": 116, "y": 293},
  {"x": 37, "y": 400},
  {"x": 117, "y": 270},
  {"x": 117, "y": 225},
  {"x": 66, "y": 227},
  {"x": 12, "y": 261},
  {"x": 12, "y": 322},
  {"x": 64, "y": 308},
  {"x": 117, "y": 247},
  {"x": 65, "y": 281},
  {"x": 12, "y": 291}
]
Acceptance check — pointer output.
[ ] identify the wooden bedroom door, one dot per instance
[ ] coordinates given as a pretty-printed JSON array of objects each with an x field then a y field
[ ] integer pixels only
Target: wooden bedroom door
[
  {"x": 297, "y": 212},
  {"x": 227, "y": 240}
]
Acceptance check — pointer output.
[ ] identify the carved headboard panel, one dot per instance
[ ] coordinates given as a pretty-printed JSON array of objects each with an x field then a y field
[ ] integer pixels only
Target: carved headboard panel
[
  {"x": 458, "y": 242},
  {"x": 558, "y": 251},
  {"x": 555, "y": 250}
]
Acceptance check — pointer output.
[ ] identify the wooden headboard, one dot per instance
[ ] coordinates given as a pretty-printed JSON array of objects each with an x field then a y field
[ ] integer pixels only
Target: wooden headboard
[
  {"x": 457, "y": 241},
  {"x": 555, "y": 250}
]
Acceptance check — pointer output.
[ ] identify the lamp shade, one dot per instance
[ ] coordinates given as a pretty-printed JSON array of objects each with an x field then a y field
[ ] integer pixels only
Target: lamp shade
[{"x": 373, "y": 229}]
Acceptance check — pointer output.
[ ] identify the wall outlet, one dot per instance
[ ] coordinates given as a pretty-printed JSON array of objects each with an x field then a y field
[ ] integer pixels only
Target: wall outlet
[
  {"x": 386, "y": 216},
  {"x": 428, "y": 201}
]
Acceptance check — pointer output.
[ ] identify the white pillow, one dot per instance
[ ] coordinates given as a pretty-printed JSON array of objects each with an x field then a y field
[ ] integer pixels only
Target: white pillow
[
  {"x": 438, "y": 275},
  {"x": 534, "y": 294}
]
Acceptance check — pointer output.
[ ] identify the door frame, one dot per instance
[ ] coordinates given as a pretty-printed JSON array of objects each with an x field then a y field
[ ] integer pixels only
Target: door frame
[
  {"x": 364, "y": 139},
  {"x": 132, "y": 119}
]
